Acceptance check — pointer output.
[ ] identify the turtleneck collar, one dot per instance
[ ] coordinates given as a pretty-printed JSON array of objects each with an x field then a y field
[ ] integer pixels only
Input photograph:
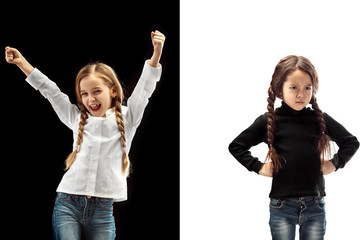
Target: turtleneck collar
[{"x": 286, "y": 109}]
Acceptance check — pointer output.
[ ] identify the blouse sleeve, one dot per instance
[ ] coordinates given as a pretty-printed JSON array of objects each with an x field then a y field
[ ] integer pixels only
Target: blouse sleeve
[
  {"x": 66, "y": 111},
  {"x": 250, "y": 137},
  {"x": 347, "y": 143},
  {"x": 139, "y": 98}
]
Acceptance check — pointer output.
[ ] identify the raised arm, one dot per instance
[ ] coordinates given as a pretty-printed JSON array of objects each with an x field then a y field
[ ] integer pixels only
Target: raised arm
[
  {"x": 144, "y": 88},
  {"x": 66, "y": 111},
  {"x": 158, "y": 40},
  {"x": 13, "y": 56}
]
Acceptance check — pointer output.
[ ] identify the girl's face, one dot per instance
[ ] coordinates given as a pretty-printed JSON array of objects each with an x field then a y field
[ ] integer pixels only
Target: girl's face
[
  {"x": 297, "y": 90},
  {"x": 96, "y": 95}
]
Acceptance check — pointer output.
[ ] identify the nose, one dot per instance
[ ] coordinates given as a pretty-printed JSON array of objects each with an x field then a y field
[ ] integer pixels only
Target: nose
[
  {"x": 91, "y": 98},
  {"x": 300, "y": 94}
]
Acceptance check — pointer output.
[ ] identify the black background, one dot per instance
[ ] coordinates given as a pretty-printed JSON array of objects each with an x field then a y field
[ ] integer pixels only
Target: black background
[{"x": 59, "y": 38}]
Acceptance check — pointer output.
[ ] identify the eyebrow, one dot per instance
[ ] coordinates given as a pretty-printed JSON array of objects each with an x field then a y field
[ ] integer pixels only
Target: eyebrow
[
  {"x": 94, "y": 88},
  {"x": 293, "y": 83}
]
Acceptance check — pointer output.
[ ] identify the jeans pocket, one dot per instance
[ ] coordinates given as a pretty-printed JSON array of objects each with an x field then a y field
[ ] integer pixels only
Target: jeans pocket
[
  {"x": 277, "y": 203},
  {"x": 63, "y": 197},
  {"x": 320, "y": 203},
  {"x": 105, "y": 203}
]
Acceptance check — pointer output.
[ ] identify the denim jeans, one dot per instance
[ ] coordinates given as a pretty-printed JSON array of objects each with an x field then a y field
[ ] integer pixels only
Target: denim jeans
[
  {"x": 307, "y": 212},
  {"x": 76, "y": 214}
]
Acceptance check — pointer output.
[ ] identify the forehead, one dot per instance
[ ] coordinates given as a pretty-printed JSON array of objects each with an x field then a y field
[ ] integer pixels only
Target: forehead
[
  {"x": 299, "y": 77},
  {"x": 90, "y": 82}
]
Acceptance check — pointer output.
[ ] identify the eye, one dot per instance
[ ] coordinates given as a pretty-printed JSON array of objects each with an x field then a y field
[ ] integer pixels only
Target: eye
[
  {"x": 293, "y": 87},
  {"x": 308, "y": 88},
  {"x": 97, "y": 91},
  {"x": 84, "y": 94}
]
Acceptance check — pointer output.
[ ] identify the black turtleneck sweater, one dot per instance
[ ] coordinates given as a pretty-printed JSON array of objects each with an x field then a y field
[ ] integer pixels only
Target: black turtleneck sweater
[{"x": 296, "y": 138}]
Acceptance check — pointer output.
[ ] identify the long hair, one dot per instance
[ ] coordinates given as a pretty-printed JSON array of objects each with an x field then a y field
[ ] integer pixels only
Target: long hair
[
  {"x": 111, "y": 80},
  {"x": 284, "y": 68}
]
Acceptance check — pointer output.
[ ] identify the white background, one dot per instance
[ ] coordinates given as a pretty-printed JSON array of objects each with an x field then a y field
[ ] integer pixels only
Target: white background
[{"x": 229, "y": 50}]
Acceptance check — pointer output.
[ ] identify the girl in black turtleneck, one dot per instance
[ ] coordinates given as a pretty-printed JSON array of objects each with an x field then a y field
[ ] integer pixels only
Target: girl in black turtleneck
[{"x": 299, "y": 150}]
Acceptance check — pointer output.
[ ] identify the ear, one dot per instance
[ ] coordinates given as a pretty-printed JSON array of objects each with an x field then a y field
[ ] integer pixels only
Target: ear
[{"x": 113, "y": 92}]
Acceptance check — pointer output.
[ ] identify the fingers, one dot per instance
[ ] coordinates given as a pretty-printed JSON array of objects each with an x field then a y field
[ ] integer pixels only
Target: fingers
[
  {"x": 11, "y": 54},
  {"x": 158, "y": 37}
]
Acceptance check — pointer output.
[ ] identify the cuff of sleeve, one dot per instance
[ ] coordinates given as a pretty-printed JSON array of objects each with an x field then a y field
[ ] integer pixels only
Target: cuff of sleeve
[
  {"x": 36, "y": 79},
  {"x": 153, "y": 73},
  {"x": 258, "y": 165},
  {"x": 335, "y": 162}
]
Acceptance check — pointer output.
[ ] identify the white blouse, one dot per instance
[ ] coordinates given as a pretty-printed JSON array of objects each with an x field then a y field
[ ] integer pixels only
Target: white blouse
[{"x": 97, "y": 167}]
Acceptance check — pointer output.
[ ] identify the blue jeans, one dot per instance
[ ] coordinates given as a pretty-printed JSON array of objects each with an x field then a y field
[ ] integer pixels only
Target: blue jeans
[
  {"x": 76, "y": 214},
  {"x": 307, "y": 212}
]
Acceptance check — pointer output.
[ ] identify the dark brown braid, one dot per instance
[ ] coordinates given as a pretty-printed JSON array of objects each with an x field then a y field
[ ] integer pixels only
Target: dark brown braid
[
  {"x": 271, "y": 127},
  {"x": 324, "y": 146}
]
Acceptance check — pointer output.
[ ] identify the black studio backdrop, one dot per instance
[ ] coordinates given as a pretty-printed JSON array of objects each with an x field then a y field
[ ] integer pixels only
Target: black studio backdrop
[{"x": 59, "y": 38}]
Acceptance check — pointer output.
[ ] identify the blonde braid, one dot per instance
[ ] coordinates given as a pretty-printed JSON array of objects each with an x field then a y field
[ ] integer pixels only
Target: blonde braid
[
  {"x": 120, "y": 122},
  {"x": 71, "y": 158}
]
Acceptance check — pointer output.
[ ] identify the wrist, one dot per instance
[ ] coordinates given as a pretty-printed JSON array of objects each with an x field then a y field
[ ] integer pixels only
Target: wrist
[
  {"x": 155, "y": 60},
  {"x": 25, "y": 66}
]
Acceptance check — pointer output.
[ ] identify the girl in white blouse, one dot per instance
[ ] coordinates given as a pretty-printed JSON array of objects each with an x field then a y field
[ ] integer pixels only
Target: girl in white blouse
[{"x": 103, "y": 130}]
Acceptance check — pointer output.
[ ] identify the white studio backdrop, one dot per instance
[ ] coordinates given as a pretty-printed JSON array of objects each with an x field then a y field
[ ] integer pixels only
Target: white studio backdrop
[{"x": 229, "y": 50}]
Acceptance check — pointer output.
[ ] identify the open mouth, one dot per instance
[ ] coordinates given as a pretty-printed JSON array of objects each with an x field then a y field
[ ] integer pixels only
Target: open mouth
[{"x": 95, "y": 107}]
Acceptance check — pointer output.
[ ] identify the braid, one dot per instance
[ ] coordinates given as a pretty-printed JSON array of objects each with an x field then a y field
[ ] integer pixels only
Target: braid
[
  {"x": 324, "y": 147},
  {"x": 71, "y": 158},
  {"x": 120, "y": 122},
  {"x": 271, "y": 123}
]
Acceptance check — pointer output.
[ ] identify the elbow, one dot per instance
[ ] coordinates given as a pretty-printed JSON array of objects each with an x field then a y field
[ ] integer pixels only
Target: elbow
[
  {"x": 236, "y": 150},
  {"x": 231, "y": 148},
  {"x": 354, "y": 143},
  {"x": 357, "y": 142}
]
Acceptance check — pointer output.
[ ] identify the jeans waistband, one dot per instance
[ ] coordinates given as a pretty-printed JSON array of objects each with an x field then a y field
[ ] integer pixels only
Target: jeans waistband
[
  {"x": 78, "y": 197},
  {"x": 306, "y": 198}
]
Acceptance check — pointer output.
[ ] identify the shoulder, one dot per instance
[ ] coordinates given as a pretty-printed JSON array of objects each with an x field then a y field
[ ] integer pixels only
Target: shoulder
[
  {"x": 262, "y": 117},
  {"x": 329, "y": 120},
  {"x": 124, "y": 109},
  {"x": 332, "y": 126},
  {"x": 327, "y": 117},
  {"x": 261, "y": 121}
]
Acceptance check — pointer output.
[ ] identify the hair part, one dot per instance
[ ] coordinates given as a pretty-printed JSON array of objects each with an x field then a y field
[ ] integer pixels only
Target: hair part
[
  {"x": 111, "y": 80},
  {"x": 284, "y": 68}
]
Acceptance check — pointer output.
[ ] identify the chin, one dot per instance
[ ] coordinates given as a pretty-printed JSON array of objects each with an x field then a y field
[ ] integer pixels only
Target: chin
[
  {"x": 97, "y": 114},
  {"x": 299, "y": 108}
]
